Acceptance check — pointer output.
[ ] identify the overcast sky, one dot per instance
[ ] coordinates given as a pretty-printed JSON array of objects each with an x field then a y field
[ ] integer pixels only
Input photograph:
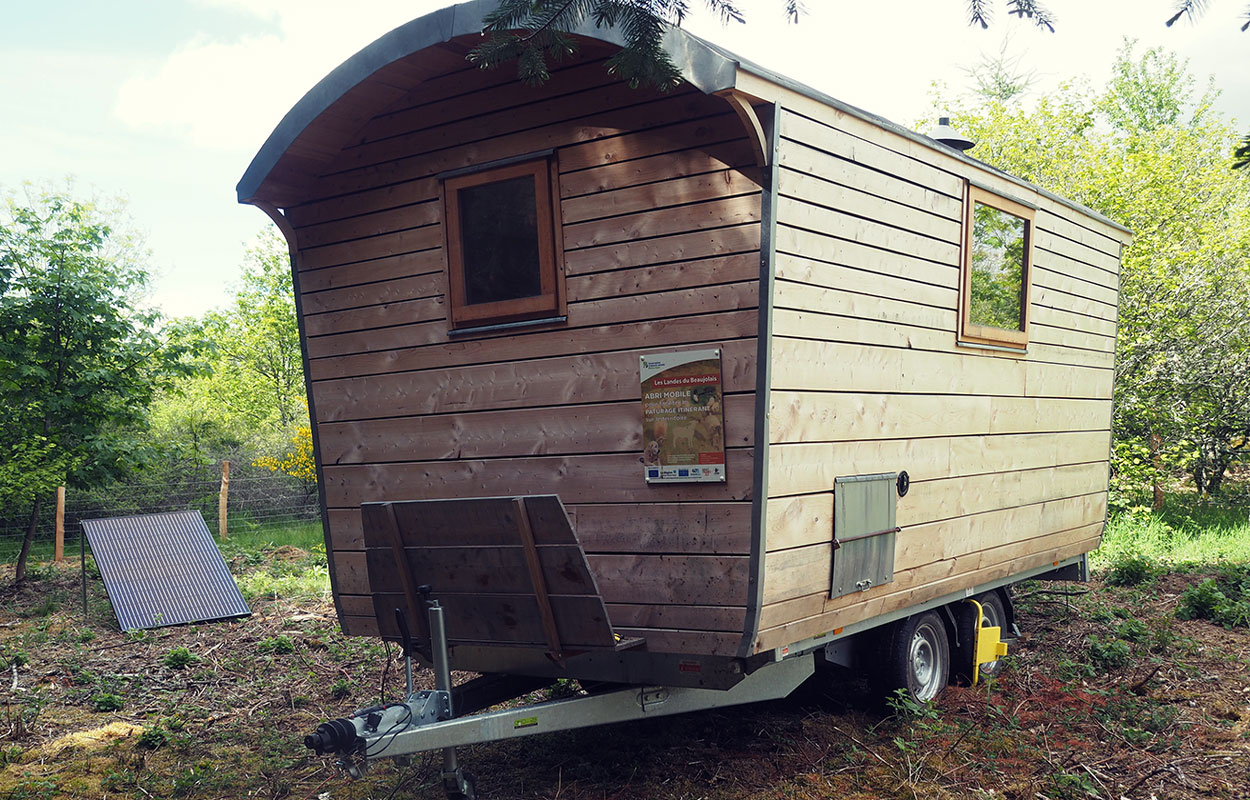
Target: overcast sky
[{"x": 164, "y": 102}]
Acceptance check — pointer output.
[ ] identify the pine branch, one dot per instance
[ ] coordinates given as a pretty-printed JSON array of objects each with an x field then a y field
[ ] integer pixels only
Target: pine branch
[
  {"x": 979, "y": 13},
  {"x": 1241, "y": 153},
  {"x": 1187, "y": 8},
  {"x": 1034, "y": 10}
]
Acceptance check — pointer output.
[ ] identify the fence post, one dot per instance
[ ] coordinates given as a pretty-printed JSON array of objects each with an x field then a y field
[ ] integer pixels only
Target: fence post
[
  {"x": 60, "y": 524},
  {"x": 221, "y": 499}
]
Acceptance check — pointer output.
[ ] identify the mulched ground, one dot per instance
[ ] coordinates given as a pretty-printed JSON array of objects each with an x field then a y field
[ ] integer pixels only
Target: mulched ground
[{"x": 1107, "y": 695}]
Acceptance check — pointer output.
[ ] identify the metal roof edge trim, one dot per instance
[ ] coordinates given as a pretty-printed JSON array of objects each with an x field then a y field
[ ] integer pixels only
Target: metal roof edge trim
[{"x": 708, "y": 68}]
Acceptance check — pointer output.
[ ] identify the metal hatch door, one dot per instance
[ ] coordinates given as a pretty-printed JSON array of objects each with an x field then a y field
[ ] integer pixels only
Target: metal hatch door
[{"x": 864, "y": 532}]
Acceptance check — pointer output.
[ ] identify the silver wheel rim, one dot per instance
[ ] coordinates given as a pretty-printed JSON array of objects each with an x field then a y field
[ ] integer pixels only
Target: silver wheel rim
[
  {"x": 924, "y": 659},
  {"x": 989, "y": 619}
]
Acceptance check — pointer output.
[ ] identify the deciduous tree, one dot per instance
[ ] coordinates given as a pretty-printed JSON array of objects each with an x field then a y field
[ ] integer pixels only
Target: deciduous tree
[{"x": 79, "y": 359}]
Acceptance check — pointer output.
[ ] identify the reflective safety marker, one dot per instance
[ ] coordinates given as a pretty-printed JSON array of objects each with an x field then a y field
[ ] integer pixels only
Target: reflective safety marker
[
  {"x": 525, "y": 722},
  {"x": 163, "y": 569}
]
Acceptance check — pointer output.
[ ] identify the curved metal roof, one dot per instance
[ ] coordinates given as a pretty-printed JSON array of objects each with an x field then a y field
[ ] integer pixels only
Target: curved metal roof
[{"x": 706, "y": 67}]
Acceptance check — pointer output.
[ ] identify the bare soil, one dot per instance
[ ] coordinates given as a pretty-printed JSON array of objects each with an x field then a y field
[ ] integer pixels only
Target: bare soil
[{"x": 1107, "y": 695}]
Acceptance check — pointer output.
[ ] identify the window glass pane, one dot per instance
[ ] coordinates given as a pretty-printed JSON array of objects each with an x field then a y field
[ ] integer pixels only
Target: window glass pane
[
  {"x": 499, "y": 241},
  {"x": 997, "y": 279}
]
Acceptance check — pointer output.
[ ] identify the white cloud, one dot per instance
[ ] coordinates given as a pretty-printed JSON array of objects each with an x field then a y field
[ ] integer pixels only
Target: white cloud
[{"x": 230, "y": 94}]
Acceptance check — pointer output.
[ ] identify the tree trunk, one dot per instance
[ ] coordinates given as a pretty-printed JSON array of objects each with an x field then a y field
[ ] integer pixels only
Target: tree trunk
[
  {"x": 19, "y": 574},
  {"x": 1156, "y": 442}
]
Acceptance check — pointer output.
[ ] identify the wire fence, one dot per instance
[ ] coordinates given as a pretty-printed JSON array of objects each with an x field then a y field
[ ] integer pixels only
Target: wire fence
[{"x": 256, "y": 499}]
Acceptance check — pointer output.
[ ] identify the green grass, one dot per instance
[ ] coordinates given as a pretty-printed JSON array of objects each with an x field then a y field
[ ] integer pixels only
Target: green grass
[
  {"x": 242, "y": 539},
  {"x": 1186, "y": 531}
]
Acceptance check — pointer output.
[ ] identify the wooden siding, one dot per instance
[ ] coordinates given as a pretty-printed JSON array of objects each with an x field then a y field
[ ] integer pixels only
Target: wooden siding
[
  {"x": 660, "y": 209},
  {"x": 1007, "y": 452}
]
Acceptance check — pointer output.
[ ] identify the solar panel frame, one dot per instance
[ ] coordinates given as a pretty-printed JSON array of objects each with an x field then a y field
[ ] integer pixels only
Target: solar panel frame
[{"x": 163, "y": 569}]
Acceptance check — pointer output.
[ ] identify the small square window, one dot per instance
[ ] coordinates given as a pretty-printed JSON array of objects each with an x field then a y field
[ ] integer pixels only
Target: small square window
[
  {"x": 501, "y": 244},
  {"x": 997, "y": 265}
]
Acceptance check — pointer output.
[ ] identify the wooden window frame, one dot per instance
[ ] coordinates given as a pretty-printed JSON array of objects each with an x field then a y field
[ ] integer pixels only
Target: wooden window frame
[
  {"x": 987, "y": 335},
  {"x": 550, "y": 302}
]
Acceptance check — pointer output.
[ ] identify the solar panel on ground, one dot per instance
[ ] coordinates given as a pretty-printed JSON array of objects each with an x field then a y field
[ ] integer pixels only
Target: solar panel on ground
[{"x": 163, "y": 569}]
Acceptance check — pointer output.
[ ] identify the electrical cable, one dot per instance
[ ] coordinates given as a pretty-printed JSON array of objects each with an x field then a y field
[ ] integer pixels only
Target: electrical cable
[{"x": 402, "y": 724}]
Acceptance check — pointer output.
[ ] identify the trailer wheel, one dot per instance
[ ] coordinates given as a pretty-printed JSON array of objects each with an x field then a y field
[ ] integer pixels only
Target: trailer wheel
[
  {"x": 993, "y": 615},
  {"x": 917, "y": 657}
]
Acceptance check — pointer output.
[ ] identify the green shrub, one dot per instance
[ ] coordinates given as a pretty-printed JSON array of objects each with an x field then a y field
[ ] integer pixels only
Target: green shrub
[
  {"x": 1224, "y": 599},
  {"x": 1108, "y": 654},
  {"x": 1130, "y": 569},
  {"x": 278, "y": 645},
  {"x": 180, "y": 658},
  {"x": 106, "y": 702},
  {"x": 152, "y": 738}
]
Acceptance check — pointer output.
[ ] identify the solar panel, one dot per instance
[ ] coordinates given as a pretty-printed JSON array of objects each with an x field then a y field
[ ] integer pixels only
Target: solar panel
[{"x": 163, "y": 569}]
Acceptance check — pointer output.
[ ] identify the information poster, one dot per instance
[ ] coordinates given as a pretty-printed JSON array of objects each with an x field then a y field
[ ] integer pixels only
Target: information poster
[{"x": 683, "y": 422}]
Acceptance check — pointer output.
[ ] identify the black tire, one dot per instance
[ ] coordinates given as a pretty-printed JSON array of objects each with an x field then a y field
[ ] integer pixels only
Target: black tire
[
  {"x": 917, "y": 657},
  {"x": 993, "y": 615}
]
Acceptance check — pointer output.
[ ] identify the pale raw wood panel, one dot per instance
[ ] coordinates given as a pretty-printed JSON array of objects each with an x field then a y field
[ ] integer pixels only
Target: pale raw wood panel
[
  {"x": 869, "y": 232},
  {"x": 803, "y": 617},
  {"x": 863, "y": 319},
  {"x": 1070, "y": 320},
  {"x": 697, "y": 618},
  {"x": 717, "y": 213},
  {"x": 811, "y": 467},
  {"x": 867, "y": 281},
  {"x": 662, "y": 194},
  {"x": 811, "y": 189},
  {"x": 794, "y": 519},
  {"x": 646, "y": 527},
  {"x": 373, "y": 224},
  {"x": 1076, "y": 269},
  {"x": 607, "y": 427},
  {"x": 876, "y": 151},
  {"x": 1057, "y": 380},
  {"x": 396, "y": 356},
  {"x": 410, "y": 240},
  {"x": 1068, "y": 338},
  {"x": 800, "y": 364},
  {"x": 681, "y": 247},
  {"x": 363, "y": 202},
  {"x": 646, "y": 280},
  {"x": 733, "y": 154},
  {"x": 813, "y": 245},
  {"x": 1074, "y": 227},
  {"x": 384, "y": 315},
  {"x": 404, "y": 265},
  {"x": 1045, "y": 276},
  {"x": 576, "y": 479},
  {"x": 803, "y": 112},
  {"x": 924, "y": 544},
  {"x": 806, "y": 595},
  {"x": 519, "y": 384},
  {"x": 712, "y": 643},
  {"x": 1077, "y": 251},
  {"x": 543, "y": 109},
  {"x": 671, "y": 579},
  {"x": 641, "y": 527},
  {"x": 414, "y": 287},
  {"x": 800, "y": 157},
  {"x": 866, "y": 307}
]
